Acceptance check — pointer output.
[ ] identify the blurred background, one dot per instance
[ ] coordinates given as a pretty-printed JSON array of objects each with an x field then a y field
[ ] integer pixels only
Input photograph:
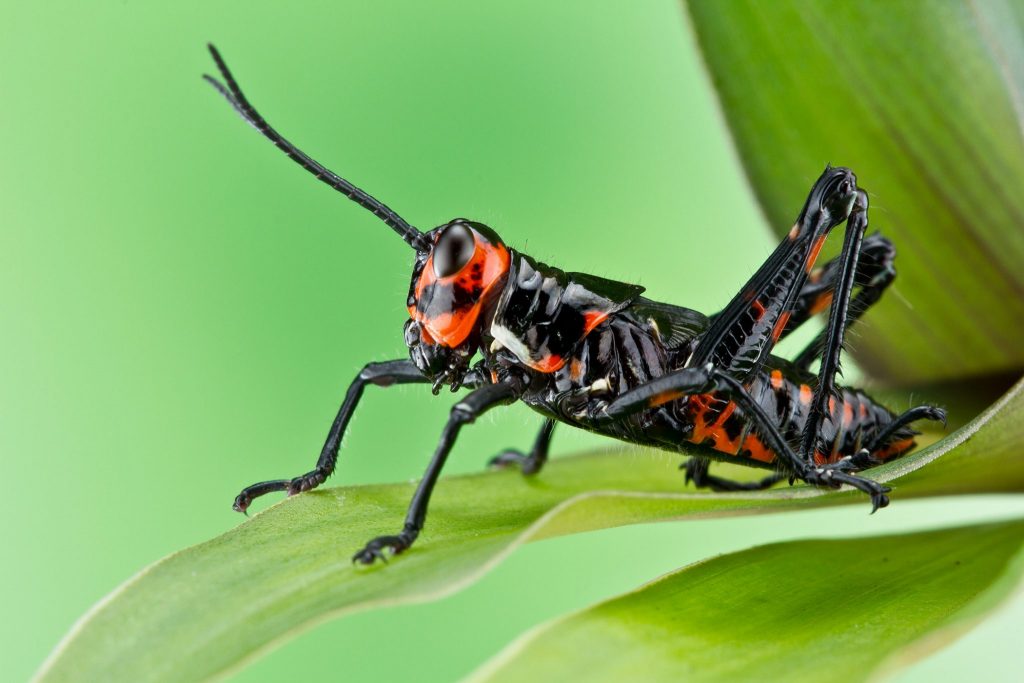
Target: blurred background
[{"x": 181, "y": 307}]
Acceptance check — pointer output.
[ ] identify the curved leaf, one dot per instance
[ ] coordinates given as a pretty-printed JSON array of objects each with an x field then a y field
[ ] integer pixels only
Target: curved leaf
[
  {"x": 207, "y": 610},
  {"x": 925, "y": 101},
  {"x": 797, "y": 611}
]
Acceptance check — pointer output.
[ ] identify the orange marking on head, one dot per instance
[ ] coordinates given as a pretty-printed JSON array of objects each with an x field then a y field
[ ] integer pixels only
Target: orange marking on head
[
  {"x": 823, "y": 301},
  {"x": 480, "y": 274},
  {"x": 820, "y": 458},
  {"x": 813, "y": 255},
  {"x": 780, "y": 326},
  {"x": 806, "y": 394},
  {"x": 776, "y": 378}
]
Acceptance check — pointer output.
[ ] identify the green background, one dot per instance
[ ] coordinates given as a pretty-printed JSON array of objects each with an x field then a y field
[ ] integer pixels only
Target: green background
[{"x": 181, "y": 307}]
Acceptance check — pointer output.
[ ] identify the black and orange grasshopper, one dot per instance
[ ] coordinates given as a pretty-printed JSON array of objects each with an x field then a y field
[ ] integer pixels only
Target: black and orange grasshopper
[{"x": 596, "y": 354}]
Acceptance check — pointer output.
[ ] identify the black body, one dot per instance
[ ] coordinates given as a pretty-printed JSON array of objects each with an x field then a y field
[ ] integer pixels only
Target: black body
[{"x": 596, "y": 354}]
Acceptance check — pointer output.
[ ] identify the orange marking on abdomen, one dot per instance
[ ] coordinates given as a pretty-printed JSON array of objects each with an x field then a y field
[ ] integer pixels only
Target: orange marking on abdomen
[
  {"x": 549, "y": 363},
  {"x": 575, "y": 369},
  {"x": 722, "y": 441},
  {"x": 895, "y": 448},
  {"x": 758, "y": 451},
  {"x": 847, "y": 414},
  {"x": 698, "y": 405},
  {"x": 718, "y": 433},
  {"x": 776, "y": 378},
  {"x": 806, "y": 394}
]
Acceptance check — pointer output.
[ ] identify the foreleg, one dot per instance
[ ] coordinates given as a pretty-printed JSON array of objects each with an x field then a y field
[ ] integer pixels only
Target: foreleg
[
  {"x": 380, "y": 374},
  {"x": 464, "y": 412}
]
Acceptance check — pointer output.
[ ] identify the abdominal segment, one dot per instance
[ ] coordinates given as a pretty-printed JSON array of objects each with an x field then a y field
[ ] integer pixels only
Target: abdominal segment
[{"x": 853, "y": 422}]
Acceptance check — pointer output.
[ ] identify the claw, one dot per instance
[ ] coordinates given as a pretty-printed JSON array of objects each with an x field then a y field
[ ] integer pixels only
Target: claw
[
  {"x": 938, "y": 414},
  {"x": 506, "y": 459},
  {"x": 367, "y": 556},
  {"x": 241, "y": 504},
  {"x": 374, "y": 550},
  {"x": 528, "y": 464}
]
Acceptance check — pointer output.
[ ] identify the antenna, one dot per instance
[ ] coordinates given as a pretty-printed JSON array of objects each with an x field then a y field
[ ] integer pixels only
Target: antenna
[{"x": 233, "y": 94}]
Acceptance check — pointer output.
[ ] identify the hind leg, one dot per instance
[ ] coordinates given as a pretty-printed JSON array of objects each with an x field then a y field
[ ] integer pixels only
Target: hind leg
[
  {"x": 874, "y": 273},
  {"x": 697, "y": 472},
  {"x": 707, "y": 379}
]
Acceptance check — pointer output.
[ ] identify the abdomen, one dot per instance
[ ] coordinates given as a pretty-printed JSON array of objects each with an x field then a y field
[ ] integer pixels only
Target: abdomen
[{"x": 855, "y": 421}]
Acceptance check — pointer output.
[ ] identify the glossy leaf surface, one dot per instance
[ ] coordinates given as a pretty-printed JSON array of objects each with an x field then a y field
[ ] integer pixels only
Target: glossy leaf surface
[
  {"x": 208, "y": 609},
  {"x": 822, "y": 610},
  {"x": 925, "y": 101}
]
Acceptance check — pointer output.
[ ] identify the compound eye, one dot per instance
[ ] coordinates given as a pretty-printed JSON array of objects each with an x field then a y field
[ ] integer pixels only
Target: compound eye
[{"x": 453, "y": 250}]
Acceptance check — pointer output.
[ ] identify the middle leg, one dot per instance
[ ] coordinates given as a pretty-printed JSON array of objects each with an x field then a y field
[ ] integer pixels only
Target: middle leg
[
  {"x": 464, "y": 412},
  {"x": 697, "y": 472},
  {"x": 532, "y": 462}
]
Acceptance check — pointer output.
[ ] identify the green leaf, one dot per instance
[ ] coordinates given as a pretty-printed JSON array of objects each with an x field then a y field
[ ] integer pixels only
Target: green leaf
[
  {"x": 797, "y": 611},
  {"x": 925, "y": 101},
  {"x": 207, "y": 610}
]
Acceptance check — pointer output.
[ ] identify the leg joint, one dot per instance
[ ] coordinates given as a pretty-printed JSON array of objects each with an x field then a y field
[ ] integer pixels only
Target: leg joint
[{"x": 461, "y": 414}]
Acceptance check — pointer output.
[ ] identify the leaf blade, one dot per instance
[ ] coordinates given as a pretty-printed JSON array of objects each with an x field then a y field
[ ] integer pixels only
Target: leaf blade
[
  {"x": 206, "y": 611},
  {"x": 914, "y": 98},
  {"x": 804, "y": 610}
]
